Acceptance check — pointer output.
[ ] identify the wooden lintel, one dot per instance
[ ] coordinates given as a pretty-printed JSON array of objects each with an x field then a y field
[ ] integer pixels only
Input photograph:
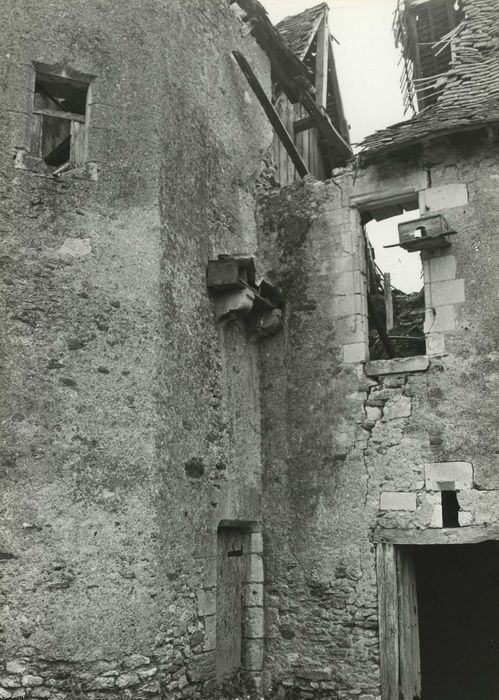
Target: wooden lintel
[
  {"x": 446, "y": 535},
  {"x": 271, "y": 113}
]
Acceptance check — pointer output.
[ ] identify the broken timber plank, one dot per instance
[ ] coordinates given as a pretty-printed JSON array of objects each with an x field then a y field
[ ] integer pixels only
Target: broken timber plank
[{"x": 271, "y": 113}]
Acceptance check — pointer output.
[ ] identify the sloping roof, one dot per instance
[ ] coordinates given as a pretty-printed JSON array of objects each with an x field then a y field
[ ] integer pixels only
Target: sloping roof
[
  {"x": 470, "y": 92},
  {"x": 298, "y": 31}
]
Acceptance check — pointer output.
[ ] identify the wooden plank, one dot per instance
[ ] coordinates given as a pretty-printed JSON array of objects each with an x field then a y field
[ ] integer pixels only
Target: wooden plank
[
  {"x": 333, "y": 77},
  {"x": 60, "y": 115},
  {"x": 36, "y": 135},
  {"x": 321, "y": 62},
  {"x": 386, "y": 572},
  {"x": 445, "y": 535},
  {"x": 305, "y": 152},
  {"x": 271, "y": 113},
  {"x": 409, "y": 651},
  {"x": 77, "y": 152}
]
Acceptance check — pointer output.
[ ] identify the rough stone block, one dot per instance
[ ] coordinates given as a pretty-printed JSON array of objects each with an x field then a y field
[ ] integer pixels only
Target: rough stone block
[
  {"x": 355, "y": 352},
  {"x": 374, "y": 413},
  {"x": 398, "y": 407},
  {"x": 444, "y": 197},
  {"x": 445, "y": 293},
  {"x": 397, "y": 365},
  {"x": 437, "y": 473},
  {"x": 126, "y": 680},
  {"x": 440, "y": 319},
  {"x": 15, "y": 667},
  {"x": 435, "y": 344},
  {"x": 397, "y": 500},
  {"x": 29, "y": 680},
  {"x": 441, "y": 268}
]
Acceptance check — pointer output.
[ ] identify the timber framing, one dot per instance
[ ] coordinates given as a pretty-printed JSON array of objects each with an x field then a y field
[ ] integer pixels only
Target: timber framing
[{"x": 294, "y": 78}]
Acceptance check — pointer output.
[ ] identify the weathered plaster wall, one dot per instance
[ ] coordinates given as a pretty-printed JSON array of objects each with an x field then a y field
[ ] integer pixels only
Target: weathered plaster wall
[
  {"x": 130, "y": 423},
  {"x": 345, "y": 452}
]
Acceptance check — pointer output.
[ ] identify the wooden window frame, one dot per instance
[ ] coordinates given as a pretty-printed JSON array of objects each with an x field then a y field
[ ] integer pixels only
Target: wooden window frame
[{"x": 78, "y": 122}]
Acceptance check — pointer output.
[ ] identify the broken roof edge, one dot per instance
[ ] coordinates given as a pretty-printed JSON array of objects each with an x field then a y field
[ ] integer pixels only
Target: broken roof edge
[
  {"x": 290, "y": 25},
  {"x": 293, "y": 75},
  {"x": 369, "y": 155}
]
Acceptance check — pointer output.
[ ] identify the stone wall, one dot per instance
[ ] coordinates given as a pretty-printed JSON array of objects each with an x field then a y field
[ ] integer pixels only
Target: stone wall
[
  {"x": 130, "y": 423},
  {"x": 350, "y": 446}
]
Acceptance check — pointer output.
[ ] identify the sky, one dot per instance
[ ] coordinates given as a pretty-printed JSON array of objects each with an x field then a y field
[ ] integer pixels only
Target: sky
[{"x": 368, "y": 68}]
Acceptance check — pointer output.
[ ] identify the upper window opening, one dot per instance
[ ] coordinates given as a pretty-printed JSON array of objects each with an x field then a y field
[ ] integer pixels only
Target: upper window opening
[
  {"x": 59, "y": 109},
  {"x": 395, "y": 286}
]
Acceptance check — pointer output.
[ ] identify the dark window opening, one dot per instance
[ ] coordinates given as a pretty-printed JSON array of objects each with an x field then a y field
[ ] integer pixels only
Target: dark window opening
[
  {"x": 58, "y": 128},
  {"x": 458, "y": 613},
  {"x": 395, "y": 285},
  {"x": 450, "y": 509}
]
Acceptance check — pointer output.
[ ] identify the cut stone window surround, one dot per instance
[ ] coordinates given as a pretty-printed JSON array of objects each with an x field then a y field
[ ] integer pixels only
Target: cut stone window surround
[
  {"x": 392, "y": 333},
  {"x": 442, "y": 290}
]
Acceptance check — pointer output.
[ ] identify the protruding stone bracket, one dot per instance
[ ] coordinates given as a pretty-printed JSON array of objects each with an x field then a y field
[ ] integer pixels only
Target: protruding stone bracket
[{"x": 232, "y": 282}]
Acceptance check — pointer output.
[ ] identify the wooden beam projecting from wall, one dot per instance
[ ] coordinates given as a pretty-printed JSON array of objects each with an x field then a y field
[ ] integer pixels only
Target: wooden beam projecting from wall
[{"x": 271, "y": 113}]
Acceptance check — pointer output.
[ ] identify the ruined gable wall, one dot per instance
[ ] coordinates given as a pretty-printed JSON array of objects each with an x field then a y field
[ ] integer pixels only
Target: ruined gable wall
[
  {"x": 336, "y": 439},
  {"x": 130, "y": 423}
]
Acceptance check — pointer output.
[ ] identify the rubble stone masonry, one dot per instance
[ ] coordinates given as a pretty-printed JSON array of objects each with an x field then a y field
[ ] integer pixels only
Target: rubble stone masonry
[{"x": 130, "y": 422}]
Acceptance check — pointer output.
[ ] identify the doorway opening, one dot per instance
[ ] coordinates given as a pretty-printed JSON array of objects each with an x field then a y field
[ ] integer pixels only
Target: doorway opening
[
  {"x": 239, "y": 607},
  {"x": 458, "y": 612},
  {"x": 439, "y": 618}
]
